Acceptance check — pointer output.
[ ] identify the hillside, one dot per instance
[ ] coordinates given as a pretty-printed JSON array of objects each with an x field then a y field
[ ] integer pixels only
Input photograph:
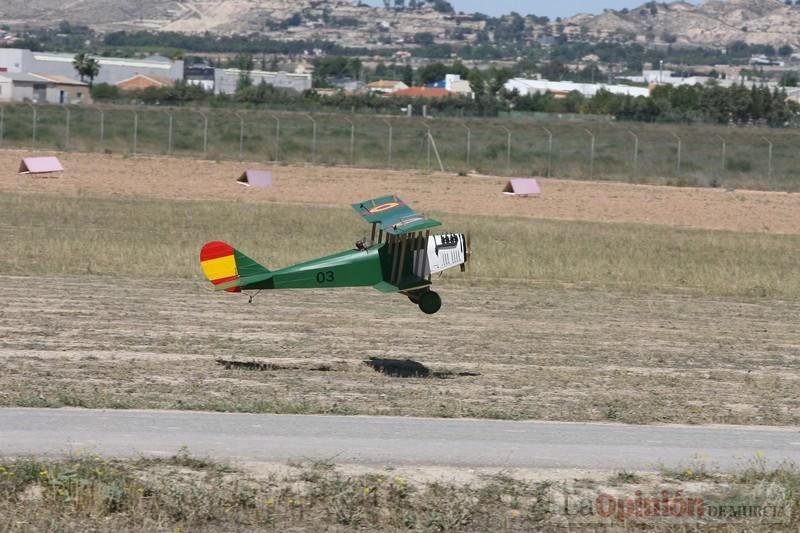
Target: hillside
[
  {"x": 711, "y": 23},
  {"x": 339, "y": 20}
]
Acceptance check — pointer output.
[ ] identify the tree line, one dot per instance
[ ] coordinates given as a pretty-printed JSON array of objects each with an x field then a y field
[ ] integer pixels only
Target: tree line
[{"x": 687, "y": 104}]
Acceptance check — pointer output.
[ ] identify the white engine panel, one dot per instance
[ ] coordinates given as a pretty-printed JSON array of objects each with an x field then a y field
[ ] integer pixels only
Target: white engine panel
[{"x": 443, "y": 251}]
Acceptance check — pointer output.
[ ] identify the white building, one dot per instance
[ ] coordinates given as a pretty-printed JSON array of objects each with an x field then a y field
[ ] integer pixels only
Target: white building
[
  {"x": 560, "y": 89},
  {"x": 454, "y": 84},
  {"x": 17, "y": 87},
  {"x": 112, "y": 69},
  {"x": 41, "y": 89},
  {"x": 667, "y": 77},
  {"x": 227, "y": 79}
]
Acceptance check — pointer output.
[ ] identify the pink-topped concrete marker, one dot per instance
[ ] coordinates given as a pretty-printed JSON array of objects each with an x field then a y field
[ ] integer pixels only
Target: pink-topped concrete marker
[
  {"x": 256, "y": 178},
  {"x": 522, "y": 187},
  {"x": 40, "y": 165}
]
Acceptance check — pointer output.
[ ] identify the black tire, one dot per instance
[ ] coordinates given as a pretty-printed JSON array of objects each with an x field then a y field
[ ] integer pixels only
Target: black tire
[{"x": 430, "y": 302}]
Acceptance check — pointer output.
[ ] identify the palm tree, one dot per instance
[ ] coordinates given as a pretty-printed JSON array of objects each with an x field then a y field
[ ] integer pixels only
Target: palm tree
[
  {"x": 86, "y": 67},
  {"x": 92, "y": 69}
]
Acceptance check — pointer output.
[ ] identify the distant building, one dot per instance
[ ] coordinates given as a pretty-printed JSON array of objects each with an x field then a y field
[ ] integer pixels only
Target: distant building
[
  {"x": 112, "y": 69},
  {"x": 666, "y": 77},
  {"x": 422, "y": 92},
  {"x": 347, "y": 84},
  {"x": 200, "y": 75},
  {"x": 7, "y": 38},
  {"x": 761, "y": 59},
  {"x": 69, "y": 91},
  {"x": 561, "y": 89},
  {"x": 18, "y": 87},
  {"x": 386, "y": 86},
  {"x": 227, "y": 79},
  {"x": 141, "y": 81},
  {"x": 454, "y": 84},
  {"x": 669, "y": 77}
]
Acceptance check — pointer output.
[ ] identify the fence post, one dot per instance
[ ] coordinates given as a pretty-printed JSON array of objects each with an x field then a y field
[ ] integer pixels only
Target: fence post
[
  {"x": 313, "y": 138},
  {"x": 679, "y": 153},
  {"x": 428, "y": 140},
  {"x": 508, "y": 149},
  {"x": 391, "y": 130},
  {"x": 549, "y": 150},
  {"x": 724, "y": 150},
  {"x": 769, "y": 160},
  {"x": 635, "y": 151},
  {"x": 205, "y": 133},
  {"x": 66, "y": 129},
  {"x": 352, "y": 141},
  {"x": 591, "y": 154},
  {"x": 469, "y": 143},
  {"x": 135, "y": 131},
  {"x": 241, "y": 135},
  {"x": 169, "y": 133},
  {"x": 432, "y": 144},
  {"x": 33, "y": 123},
  {"x": 102, "y": 129},
  {"x": 277, "y": 136},
  {"x": 2, "y": 122}
]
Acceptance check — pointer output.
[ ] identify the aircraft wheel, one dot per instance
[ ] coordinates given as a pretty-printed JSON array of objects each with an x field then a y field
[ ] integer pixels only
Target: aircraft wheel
[{"x": 430, "y": 302}]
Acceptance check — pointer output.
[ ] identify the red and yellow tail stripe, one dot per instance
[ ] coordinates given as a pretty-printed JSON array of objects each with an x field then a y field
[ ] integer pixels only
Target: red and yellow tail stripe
[{"x": 218, "y": 261}]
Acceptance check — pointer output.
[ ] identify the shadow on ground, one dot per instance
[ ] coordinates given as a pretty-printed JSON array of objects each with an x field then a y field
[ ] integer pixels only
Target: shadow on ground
[
  {"x": 264, "y": 366},
  {"x": 398, "y": 368},
  {"x": 408, "y": 368}
]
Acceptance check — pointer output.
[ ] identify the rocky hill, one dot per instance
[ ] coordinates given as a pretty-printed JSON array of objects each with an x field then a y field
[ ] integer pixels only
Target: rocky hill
[
  {"x": 344, "y": 21},
  {"x": 712, "y": 23}
]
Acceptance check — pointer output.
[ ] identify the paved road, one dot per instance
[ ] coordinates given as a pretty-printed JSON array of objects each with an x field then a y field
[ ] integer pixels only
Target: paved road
[{"x": 384, "y": 440}]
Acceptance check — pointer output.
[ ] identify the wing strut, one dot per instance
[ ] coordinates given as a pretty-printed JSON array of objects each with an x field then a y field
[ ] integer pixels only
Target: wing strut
[{"x": 404, "y": 240}]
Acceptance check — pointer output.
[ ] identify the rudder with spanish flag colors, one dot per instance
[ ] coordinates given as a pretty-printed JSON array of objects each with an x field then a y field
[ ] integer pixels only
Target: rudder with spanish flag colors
[{"x": 224, "y": 264}]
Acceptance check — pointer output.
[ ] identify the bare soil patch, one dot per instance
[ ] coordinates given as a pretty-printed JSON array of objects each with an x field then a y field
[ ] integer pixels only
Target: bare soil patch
[{"x": 114, "y": 175}]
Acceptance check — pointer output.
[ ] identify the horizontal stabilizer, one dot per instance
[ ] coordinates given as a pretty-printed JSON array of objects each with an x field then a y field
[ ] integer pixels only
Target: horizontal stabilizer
[{"x": 242, "y": 283}]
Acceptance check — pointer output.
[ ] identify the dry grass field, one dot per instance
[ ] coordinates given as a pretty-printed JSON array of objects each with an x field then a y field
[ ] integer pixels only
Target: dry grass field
[
  {"x": 594, "y": 302},
  {"x": 186, "y": 493}
]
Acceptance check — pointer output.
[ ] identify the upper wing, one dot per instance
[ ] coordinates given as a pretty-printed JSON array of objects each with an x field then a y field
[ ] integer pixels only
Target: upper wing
[{"x": 393, "y": 215}]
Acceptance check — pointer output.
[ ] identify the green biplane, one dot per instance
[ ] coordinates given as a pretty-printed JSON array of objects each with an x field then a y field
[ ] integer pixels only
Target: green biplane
[{"x": 400, "y": 256}]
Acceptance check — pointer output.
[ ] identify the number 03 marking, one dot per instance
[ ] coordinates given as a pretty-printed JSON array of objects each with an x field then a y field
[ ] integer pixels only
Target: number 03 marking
[{"x": 323, "y": 277}]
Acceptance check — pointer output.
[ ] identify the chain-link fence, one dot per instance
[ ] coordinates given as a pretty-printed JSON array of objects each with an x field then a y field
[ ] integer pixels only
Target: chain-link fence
[{"x": 749, "y": 157}]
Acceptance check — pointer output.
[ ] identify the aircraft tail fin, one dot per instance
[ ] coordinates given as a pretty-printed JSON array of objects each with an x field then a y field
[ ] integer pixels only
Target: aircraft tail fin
[{"x": 224, "y": 264}]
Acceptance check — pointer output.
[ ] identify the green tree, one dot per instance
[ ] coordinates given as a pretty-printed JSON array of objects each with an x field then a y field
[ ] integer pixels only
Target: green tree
[
  {"x": 87, "y": 67},
  {"x": 442, "y": 6},
  {"x": 477, "y": 81},
  {"x": 432, "y": 73}
]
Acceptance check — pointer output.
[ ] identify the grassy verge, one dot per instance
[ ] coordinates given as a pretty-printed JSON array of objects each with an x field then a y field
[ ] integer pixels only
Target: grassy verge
[
  {"x": 160, "y": 239},
  {"x": 190, "y": 494}
]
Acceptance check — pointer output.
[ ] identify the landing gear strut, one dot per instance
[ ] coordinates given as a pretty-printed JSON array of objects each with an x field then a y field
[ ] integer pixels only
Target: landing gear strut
[{"x": 428, "y": 301}]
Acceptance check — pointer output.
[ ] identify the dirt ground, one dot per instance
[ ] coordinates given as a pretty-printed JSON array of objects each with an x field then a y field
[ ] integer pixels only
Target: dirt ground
[
  {"x": 114, "y": 175},
  {"x": 524, "y": 352},
  {"x": 540, "y": 352}
]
